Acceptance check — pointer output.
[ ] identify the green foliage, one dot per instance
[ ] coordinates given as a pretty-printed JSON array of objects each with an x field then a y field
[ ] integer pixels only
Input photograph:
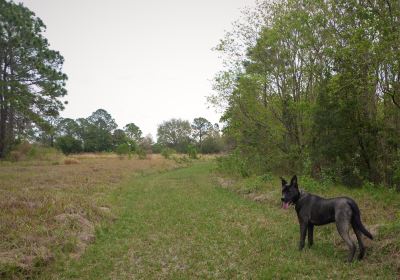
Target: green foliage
[
  {"x": 31, "y": 80},
  {"x": 123, "y": 149},
  {"x": 309, "y": 87},
  {"x": 157, "y": 148},
  {"x": 237, "y": 164},
  {"x": 180, "y": 159},
  {"x": 201, "y": 127},
  {"x": 396, "y": 172},
  {"x": 141, "y": 153},
  {"x": 133, "y": 132},
  {"x": 175, "y": 134},
  {"x": 192, "y": 152},
  {"x": 167, "y": 152},
  {"x": 69, "y": 145}
]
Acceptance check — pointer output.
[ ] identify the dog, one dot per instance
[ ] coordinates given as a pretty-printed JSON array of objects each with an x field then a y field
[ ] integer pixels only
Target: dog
[{"x": 313, "y": 210}]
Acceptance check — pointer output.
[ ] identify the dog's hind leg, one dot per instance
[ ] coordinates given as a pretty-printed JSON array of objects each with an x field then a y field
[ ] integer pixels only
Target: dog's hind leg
[
  {"x": 310, "y": 232},
  {"x": 343, "y": 227},
  {"x": 360, "y": 243}
]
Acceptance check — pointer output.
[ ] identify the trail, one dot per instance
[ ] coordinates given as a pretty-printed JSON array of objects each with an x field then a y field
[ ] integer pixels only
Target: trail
[{"x": 181, "y": 225}]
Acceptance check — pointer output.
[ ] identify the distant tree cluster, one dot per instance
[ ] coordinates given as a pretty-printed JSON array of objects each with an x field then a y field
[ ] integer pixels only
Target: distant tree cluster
[
  {"x": 32, "y": 83},
  {"x": 314, "y": 87},
  {"x": 97, "y": 133},
  {"x": 183, "y": 136}
]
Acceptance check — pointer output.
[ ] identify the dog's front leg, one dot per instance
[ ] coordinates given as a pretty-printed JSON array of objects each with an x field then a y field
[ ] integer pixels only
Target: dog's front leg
[
  {"x": 310, "y": 231},
  {"x": 303, "y": 231}
]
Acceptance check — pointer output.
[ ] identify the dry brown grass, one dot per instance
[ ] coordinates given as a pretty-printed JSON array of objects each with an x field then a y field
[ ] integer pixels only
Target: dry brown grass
[{"x": 50, "y": 208}]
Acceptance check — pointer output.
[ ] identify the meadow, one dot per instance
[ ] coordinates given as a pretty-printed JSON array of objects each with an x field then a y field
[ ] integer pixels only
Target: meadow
[
  {"x": 51, "y": 207},
  {"x": 100, "y": 217}
]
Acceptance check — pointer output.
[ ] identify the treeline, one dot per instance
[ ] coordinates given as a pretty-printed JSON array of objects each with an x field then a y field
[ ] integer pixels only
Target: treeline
[
  {"x": 100, "y": 133},
  {"x": 32, "y": 83},
  {"x": 313, "y": 87}
]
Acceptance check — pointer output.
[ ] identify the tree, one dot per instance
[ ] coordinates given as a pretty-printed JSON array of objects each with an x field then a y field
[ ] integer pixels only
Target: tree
[
  {"x": 200, "y": 128},
  {"x": 102, "y": 120},
  {"x": 96, "y": 131},
  {"x": 119, "y": 137},
  {"x": 68, "y": 144},
  {"x": 68, "y": 127},
  {"x": 213, "y": 143},
  {"x": 133, "y": 132},
  {"x": 175, "y": 134},
  {"x": 31, "y": 80},
  {"x": 315, "y": 89}
]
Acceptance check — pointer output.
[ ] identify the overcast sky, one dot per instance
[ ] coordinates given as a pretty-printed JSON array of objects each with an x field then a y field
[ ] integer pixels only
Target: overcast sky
[{"x": 142, "y": 61}]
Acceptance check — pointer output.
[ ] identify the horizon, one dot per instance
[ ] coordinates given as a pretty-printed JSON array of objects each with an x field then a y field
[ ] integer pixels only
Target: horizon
[{"x": 144, "y": 62}]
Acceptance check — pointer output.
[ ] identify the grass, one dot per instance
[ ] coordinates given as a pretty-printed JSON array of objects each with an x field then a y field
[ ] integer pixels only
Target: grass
[
  {"x": 182, "y": 224},
  {"x": 51, "y": 208},
  {"x": 100, "y": 217}
]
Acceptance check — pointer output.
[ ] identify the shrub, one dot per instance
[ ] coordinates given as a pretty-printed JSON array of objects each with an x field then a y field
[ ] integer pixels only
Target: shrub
[
  {"x": 141, "y": 153},
  {"x": 27, "y": 151},
  {"x": 396, "y": 173},
  {"x": 233, "y": 164},
  {"x": 123, "y": 149},
  {"x": 167, "y": 152},
  {"x": 192, "y": 152},
  {"x": 69, "y": 145}
]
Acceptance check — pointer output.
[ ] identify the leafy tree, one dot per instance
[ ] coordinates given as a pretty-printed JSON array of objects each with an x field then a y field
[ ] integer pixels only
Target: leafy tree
[
  {"x": 119, "y": 137},
  {"x": 97, "y": 131},
  {"x": 69, "y": 145},
  {"x": 312, "y": 86},
  {"x": 123, "y": 149},
  {"x": 68, "y": 127},
  {"x": 102, "y": 120},
  {"x": 201, "y": 127},
  {"x": 133, "y": 132},
  {"x": 31, "y": 78},
  {"x": 175, "y": 134}
]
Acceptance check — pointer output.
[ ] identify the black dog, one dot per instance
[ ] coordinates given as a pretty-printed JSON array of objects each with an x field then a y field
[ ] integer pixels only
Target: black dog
[{"x": 313, "y": 211}]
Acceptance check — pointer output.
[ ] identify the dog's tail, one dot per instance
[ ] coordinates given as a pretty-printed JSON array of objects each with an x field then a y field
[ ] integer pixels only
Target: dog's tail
[{"x": 356, "y": 220}]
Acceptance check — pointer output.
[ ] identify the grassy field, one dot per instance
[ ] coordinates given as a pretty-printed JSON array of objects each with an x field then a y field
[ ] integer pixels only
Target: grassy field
[
  {"x": 192, "y": 223},
  {"x": 50, "y": 208}
]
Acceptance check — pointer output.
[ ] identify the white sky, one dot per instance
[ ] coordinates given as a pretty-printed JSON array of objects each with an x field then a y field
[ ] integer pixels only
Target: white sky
[{"x": 142, "y": 61}]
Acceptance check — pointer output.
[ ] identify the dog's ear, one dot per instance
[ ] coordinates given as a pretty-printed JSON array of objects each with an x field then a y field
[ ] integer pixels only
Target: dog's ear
[
  {"x": 293, "y": 182},
  {"x": 284, "y": 183}
]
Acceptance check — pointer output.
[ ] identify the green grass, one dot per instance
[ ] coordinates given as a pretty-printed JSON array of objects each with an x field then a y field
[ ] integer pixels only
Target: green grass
[{"x": 182, "y": 225}]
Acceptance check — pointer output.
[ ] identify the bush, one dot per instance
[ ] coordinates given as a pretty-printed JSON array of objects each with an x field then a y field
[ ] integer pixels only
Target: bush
[
  {"x": 69, "y": 145},
  {"x": 27, "y": 151},
  {"x": 212, "y": 145},
  {"x": 183, "y": 159},
  {"x": 156, "y": 148},
  {"x": 123, "y": 149},
  {"x": 396, "y": 173},
  {"x": 192, "y": 152},
  {"x": 141, "y": 153},
  {"x": 167, "y": 152},
  {"x": 233, "y": 164}
]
